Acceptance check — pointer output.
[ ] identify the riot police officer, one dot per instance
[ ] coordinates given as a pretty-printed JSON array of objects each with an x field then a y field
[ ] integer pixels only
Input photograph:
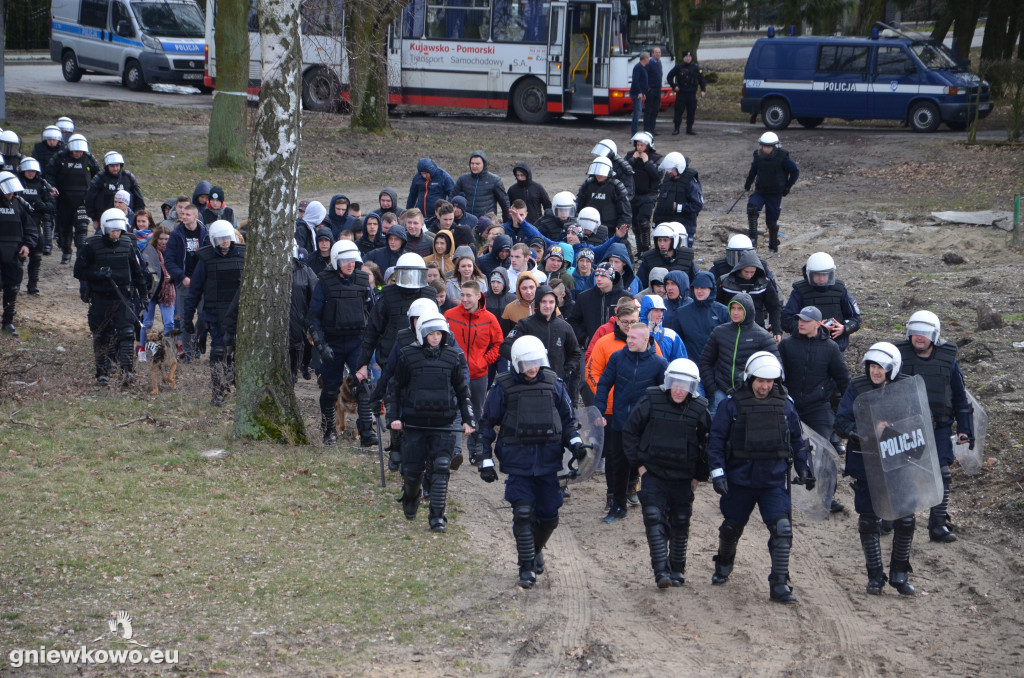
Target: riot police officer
[
  {"x": 216, "y": 281},
  {"x": 680, "y": 197},
  {"x": 881, "y": 366},
  {"x": 606, "y": 194},
  {"x": 644, "y": 160},
  {"x": 71, "y": 171},
  {"x": 427, "y": 392},
  {"x": 108, "y": 265},
  {"x": 667, "y": 434},
  {"x": 39, "y": 195},
  {"x": 925, "y": 353},
  {"x": 10, "y": 149},
  {"x": 669, "y": 252},
  {"x": 772, "y": 174},
  {"x": 18, "y": 236},
  {"x": 532, "y": 407},
  {"x": 820, "y": 288},
  {"x": 684, "y": 78},
  {"x": 51, "y": 144},
  {"x": 754, "y": 436},
  {"x": 107, "y": 183}
]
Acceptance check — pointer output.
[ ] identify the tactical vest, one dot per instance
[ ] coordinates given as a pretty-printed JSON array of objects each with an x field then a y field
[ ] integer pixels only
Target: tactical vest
[
  {"x": 429, "y": 399},
  {"x": 670, "y": 438},
  {"x": 223, "y": 275},
  {"x": 681, "y": 261},
  {"x": 760, "y": 431},
  {"x": 936, "y": 372},
  {"x": 603, "y": 197},
  {"x": 771, "y": 176},
  {"x": 118, "y": 258},
  {"x": 398, "y": 300},
  {"x": 345, "y": 302},
  {"x": 531, "y": 417},
  {"x": 11, "y": 231},
  {"x": 828, "y": 300},
  {"x": 76, "y": 177}
]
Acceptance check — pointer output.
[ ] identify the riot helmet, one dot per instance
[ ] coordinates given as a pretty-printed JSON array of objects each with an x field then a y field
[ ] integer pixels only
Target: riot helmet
[
  {"x": 528, "y": 352},
  {"x": 77, "y": 142},
  {"x": 28, "y": 164},
  {"x": 113, "y": 158},
  {"x": 768, "y": 139},
  {"x": 738, "y": 244},
  {"x": 762, "y": 365},
  {"x": 410, "y": 271},
  {"x": 925, "y": 324},
  {"x": 681, "y": 373},
  {"x": 343, "y": 252},
  {"x": 589, "y": 219},
  {"x": 114, "y": 220},
  {"x": 434, "y": 322},
  {"x": 643, "y": 137},
  {"x": 674, "y": 160},
  {"x": 886, "y": 356},
  {"x": 65, "y": 125},
  {"x": 10, "y": 183},
  {"x": 563, "y": 205},
  {"x": 52, "y": 132},
  {"x": 681, "y": 236},
  {"x": 605, "y": 147},
  {"x": 821, "y": 262},
  {"x": 420, "y": 308},
  {"x": 600, "y": 167},
  {"x": 664, "y": 230},
  {"x": 10, "y": 143},
  {"x": 221, "y": 230}
]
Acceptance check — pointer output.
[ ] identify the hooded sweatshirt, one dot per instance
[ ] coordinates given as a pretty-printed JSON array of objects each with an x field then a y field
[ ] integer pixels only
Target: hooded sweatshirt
[
  {"x": 683, "y": 281},
  {"x": 316, "y": 261},
  {"x": 202, "y": 188},
  {"x": 490, "y": 261},
  {"x": 338, "y": 224},
  {"x": 520, "y": 308},
  {"x": 530, "y": 192},
  {"x": 396, "y": 207},
  {"x": 629, "y": 281},
  {"x": 365, "y": 243},
  {"x": 424, "y": 193},
  {"x": 306, "y": 225},
  {"x": 484, "y": 192},
  {"x": 496, "y": 303},
  {"x": 730, "y": 345},
  {"x": 694, "y": 322},
  {"x": 671, "y": 343},
  {"x": 444, "y": 261},
  {"x": 767, "y": 306}
]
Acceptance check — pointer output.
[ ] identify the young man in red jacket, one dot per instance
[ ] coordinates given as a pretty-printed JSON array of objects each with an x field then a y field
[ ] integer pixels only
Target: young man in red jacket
[{"x": 478, "y": 333}]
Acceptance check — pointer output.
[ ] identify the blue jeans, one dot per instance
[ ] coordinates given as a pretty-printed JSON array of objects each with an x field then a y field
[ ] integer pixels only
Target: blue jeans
[
  {"x": 166, "y": 314},
  {"x": 638, "y": 113},
  {"x": 715, "y": 401}
]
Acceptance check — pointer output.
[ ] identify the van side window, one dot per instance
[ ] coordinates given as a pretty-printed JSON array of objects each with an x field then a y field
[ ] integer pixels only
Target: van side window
[
  {"x": 120, "y": 13},
  {"x": 894, "y": 61},
  {"x": 843, "y": 59},
  {"x": 94, "y": 13}
]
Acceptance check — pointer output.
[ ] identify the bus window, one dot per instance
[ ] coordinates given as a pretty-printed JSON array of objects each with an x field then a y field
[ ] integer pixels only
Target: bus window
[
  {"x": 321, "y": 17},
  {"x": 458, "y": 19},
  {"x": 412, "y": 19},
  {"x": 843, "y": 59},
  {"x": 520, "y": 21},
  {"x": 647, "y": 26}
]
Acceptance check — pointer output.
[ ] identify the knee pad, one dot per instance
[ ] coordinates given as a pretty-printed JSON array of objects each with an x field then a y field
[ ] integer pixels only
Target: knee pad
[
  {"x": 548, "y": 525},
  {"x": 522, "y": 512},
  {"x": 680, "y": 518},
  {"x": 782, "y": 527},
  {"x": 652, "y": 515},
  {"x": 126, "y": 334},
  {"x": 442, "y": 464},
  {"x": 330, "y": 395},
  {"x": 947, "y": 475},
  {"x": 752, "y": 211},
  {"x": 904, "y": 525},
  {"x": 868, "y": 523},
  {"x": 730, "y": 531}
]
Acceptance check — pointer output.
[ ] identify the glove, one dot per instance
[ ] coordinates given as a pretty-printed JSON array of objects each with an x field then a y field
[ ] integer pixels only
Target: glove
[
  {"x": 970, "y": 443},
  {"x": 105, "y": 272},
  {"x": 804, "y": 477},
  {"x": 190, "y": 326},
  {"x": 487, "y": 473},
  {"x": 721, "y": 485},
  {"x": 326, "y": 354},
  {"x": 785, "y": 191},
  {"x": 579, "y": 451},
  {"x": 746, "y": 186}
]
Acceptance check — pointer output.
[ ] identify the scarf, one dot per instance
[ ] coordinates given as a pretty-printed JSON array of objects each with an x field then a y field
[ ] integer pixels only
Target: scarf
[{"x": 165, "y": 297}]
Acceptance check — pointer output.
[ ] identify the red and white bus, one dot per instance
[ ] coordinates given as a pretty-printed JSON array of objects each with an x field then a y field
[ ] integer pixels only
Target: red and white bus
[{"x": 534, "y": 58}]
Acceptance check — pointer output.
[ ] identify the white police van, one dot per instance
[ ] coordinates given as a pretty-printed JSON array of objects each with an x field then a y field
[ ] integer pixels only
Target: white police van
[
  {"x": 892, "y": 75},
  {"x": 143, "y": 41}
]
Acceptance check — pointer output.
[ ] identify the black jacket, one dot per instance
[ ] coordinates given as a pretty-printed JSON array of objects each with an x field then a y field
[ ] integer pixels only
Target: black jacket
[
  {"x": 728, "y": 348},
  {"x": 646, "y": 176},
  {"x": 563, "y": 348},
  {"x": 100, "y": 196},
  {"x": 303, "y": 283},
  {"x": 530, "y": 192},
  {"x": 812, "y": 367},
  {"x": 593, "y": 308}
]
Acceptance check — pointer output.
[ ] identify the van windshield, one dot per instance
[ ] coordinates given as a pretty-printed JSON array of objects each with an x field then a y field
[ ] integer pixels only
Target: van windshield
[
  {"x": 170, "y": 19},
  {"x": 933, "y": 57}
]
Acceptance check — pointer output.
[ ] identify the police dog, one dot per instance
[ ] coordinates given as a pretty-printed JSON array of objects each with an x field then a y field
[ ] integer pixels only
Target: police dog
[
  {"x": 163, "y": 364},
  {"x": 347, "y": 403}
]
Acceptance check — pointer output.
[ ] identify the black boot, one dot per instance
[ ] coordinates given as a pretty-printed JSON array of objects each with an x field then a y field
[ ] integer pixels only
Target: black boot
[
  {"x": 677, "y": 548},
  {"x": 217, "y": 383},
  {"x": 728, "y": 537},
  {"x": 439, "y": 493},
  {"x": 752, "y": 226},
  {"x": 869, "y": 541},
  {"x": 937, "y": 529},
  {"x": 899, "y": 563},
  {"x": 101, "y": 353},
  {"x": 654, "y": 524},
  {"x": 540, "y": 538},
  {"x": 773, "y": 237},
  {"x": 410, "y": 498},
  {"x": 35, "y": 262},
  {"x": 395, "y": 451},
  {"x": 522, "y": 529},
  {"x": 367, "y": 436},
  {"x": 781, "y": 544},
  {"x": 10, "y": 298},
  {"x": 328, "y": 416}
]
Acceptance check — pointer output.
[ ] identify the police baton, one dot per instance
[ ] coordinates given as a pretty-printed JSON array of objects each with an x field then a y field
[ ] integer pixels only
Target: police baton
[
  {"x": 737, "y": 201},
  {"x": 380, "y": 439}
]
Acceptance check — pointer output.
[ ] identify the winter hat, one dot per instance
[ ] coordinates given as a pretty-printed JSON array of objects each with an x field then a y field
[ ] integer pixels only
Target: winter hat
[
  {"x": 324, "y": 233},
  {"x": 217, "y": 193},
  {"x": 123, "y": 196},
  {"x": 497, "y": 276},
  {"x": 585, "y": 253},
  {"x": 607, "y": 271},
  {"x": 315, "y": 213},
  {"x": 482, "y": 224},
  {"x": 463, "y": 251},
  {"x": 461, "y": 202}
]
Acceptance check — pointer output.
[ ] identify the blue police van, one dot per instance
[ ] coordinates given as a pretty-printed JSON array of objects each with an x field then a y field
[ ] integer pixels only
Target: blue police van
[{"x": 890, "y": 76}]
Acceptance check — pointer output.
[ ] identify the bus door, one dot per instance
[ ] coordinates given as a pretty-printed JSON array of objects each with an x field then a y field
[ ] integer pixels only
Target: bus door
[
  {"x": 395, "y": 61},
  {"x": 557, "y": 75},
  {"x": 580, "y": 32},
  {"x": 601, "y": 56}
]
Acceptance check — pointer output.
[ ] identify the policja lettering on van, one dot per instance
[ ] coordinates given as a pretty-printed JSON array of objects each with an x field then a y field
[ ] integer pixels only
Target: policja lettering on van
[
  {"x": 901, "y": 443},
  {"x": 840, "y": 87}
]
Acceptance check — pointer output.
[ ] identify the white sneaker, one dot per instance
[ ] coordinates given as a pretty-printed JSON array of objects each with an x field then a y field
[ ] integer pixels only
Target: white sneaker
[{"x": 142, "y": 354}]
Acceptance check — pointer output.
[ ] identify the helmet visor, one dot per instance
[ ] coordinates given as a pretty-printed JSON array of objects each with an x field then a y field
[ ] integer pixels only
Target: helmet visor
[
  {"x": 411, "y": 278},
  {"x": 680, "y": 381},
  {"x": 565, "y": 211},
  {"x": 922, "y": 329}
]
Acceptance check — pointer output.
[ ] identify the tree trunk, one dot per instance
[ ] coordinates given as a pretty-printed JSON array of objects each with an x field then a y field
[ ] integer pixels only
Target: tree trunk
[
  {"x": 228, "y": 129},
  {"x": 367, "y": 46},
  {"x": 869, "y": 12},
  {"x": 995, "y": 29},
  {"x": 687, "y": 18},
  {"x": 943, "y": 23},
  {"x": 966, "y": 13},
  {"x": 267, "y": 409}
]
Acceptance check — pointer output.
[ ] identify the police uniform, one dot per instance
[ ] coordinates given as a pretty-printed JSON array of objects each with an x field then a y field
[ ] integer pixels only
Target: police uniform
[
  {"x": 608, "y": 197},
  {"x": 17, "y": 230},
  {"x": 72, "y": 177},
  {"x": 681, "y": 199},
  {"x": 44, "y": 206},
  {"x": 100, "y": 196},
  {"x": 669, "y": 439},
  {"x": 771, "y": 176},
  {"x": 387, "y": 317},
  {"x": 834, "y": 301},
  {"x": 685, "y": 79}
]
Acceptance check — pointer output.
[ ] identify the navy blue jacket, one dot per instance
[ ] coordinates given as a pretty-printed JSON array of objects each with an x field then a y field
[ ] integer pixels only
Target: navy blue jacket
[
  {"x": 638, "y": 85},
  {"x": 654, "y": 73},
  {"x": 423, "y": 194},
  {"x": 630, "y": 373},
  {"x": 694, "y": 322},
  {"x": 174, "y": 255}
]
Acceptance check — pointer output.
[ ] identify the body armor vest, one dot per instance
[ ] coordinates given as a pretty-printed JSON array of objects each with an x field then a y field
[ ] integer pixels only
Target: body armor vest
[
  {"x": 760, "y": 431},
  {"x": 345, "y": 302},
  {"x": 530, "y": 413},
  {"x": 681, "y": 261},
  {"x": 223, "y": 275},
  {"x": 11, "y": 229},
  {"x": 76, "y": 177},
  {"x": 429, "y": 399},
  {"x": 670, "y": 438},
  {"x": 827, "y": 300},
  {"x": 118, "y": 258},
  {"x": 771, "y": 176},
  {"x": 398, "y": 300},
  {"x": 936, "y": 372}
]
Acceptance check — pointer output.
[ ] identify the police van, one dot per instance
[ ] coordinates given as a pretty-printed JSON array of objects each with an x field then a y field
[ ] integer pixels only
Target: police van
[
  {"x": 890, "y": 76},
  {"x": 143, "y": 41}
]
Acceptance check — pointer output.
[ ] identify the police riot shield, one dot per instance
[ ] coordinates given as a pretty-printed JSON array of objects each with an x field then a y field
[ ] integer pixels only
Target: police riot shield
[
  {"x": 816, "y": 504},
  {"x": 898, "y": 445},
  {"x": 591, "y": 435},
  {"x": 971, "y": 460}
]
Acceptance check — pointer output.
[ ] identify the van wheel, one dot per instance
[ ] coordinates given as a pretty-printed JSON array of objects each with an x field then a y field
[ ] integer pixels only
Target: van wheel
[
  {"x": 924, "y": 117},
  {"x": 320, "y": 90},
  {"x": 69, "y": 67},
  {"x": 810, "y": 123},
  {"x": 775, "y": 114},
  {"x": 957, "y": 126},
  {"x": 133, "y": 78},
  {"x": 530, "y": 102}
]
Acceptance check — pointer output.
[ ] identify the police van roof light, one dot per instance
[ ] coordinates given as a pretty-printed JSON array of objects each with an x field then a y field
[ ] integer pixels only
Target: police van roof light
[
  {"x": 792, "y": 30},
  {"x": 771, "y": 31},
  {"x": 874, "y": 33}
]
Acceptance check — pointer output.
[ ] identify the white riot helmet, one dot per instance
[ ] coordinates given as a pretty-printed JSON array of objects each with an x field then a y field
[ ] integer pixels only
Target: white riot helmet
[
  {"x": 113, "y": 158},
  {"x": 410, "y": 271},
  {"x": 434, "y": 322},
  {"x": 674, "y": 160},
  {"x": 925, "y": 324},
  {"x": 821, "y": 262},
  {"x": 663, "y": 230},
  {"x": 886, "y": 356},
  {"x": 681, "y": 236},
  {"x": 589, "y": 219},
  {"x": 65, "y": 125},
  {"x": 10, "y": 183},
  {"x": 600, "y": 167},
  {"x": 113, "y": 220},
  {"x": 605, "y": 147},
  {"x": 29, "y": 164},
  {"x": 563, "y": 205},
  {"x": 644, "y": 137},
  {"x": 528, "y": 352},
  {"x": 343, "y": 252},
  {"x": 738, "y": 244},
  {"x": 762, "y": 365},
  {"x": 681, "y": 373},
  {"x": 221, "y": 229},
  {"x": 421, "y": 307},
  {"x": 10, "y": 143},
  {"x": 77, "y": 142},
  {"x": 768, "y": 139},
  {"x": 52, "y": 132}
]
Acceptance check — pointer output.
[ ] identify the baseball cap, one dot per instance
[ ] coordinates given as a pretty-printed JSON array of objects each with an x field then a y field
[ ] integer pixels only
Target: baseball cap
[
  {"x": 303, "y": 204},
  {"x": 809, "y": 313}
]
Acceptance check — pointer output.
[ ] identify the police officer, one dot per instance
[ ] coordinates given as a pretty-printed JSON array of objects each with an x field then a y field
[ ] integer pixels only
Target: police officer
[
  {"x": 737, "y": 245},
  {"x": 71, "y": 171},
  {"x": 108, "y": 265},
  {"x": 427, "y": 392},
  {"x": 881, "y": 366},
  {"x": 754, "y": 437},
  {"x": 66, "y": 126},
  {"x": 820, "y": 288},
  {"x": 51, "y": 144},
  {"x": 669, "y": 252},
  {"x": 680, "y": 197},
  {"x": 10, "y": 148},
  {"x": 667, "y": 434},
  {"x": 646, "y": 179},
  {"x": 925, "y": 353},
  {"x": 105, "y": 185},
  {"x": 532, "y": 408},
  {"x": 606, "y": 194},
  {"x": 559, "y": 217},
  {"x": 621, "y": 169},
  {"x": 338, "y": 313},
  {"x": 216, "y": 282},
  {"x": 772, "y": 174},
  {"x": 18, "y": 236},
  {"x": 684, "y": 79},
  {"x": 39, "y": 195}
]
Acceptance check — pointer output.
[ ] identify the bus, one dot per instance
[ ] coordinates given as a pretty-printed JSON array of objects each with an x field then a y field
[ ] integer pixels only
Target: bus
[{"x": 535, "y": 59}]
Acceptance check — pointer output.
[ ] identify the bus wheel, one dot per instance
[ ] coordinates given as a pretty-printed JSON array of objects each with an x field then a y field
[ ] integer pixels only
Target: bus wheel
[
  {"x": 924, "y": 117},
  {"x": 133, "y": 78},
  {"x": 775, "y": 114},
  {"x": 810, "y": 123},
  {"x": 69, "y": 67},
  {"x": 530, "y": 101},
  {"x": 319, "y": 90}
]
